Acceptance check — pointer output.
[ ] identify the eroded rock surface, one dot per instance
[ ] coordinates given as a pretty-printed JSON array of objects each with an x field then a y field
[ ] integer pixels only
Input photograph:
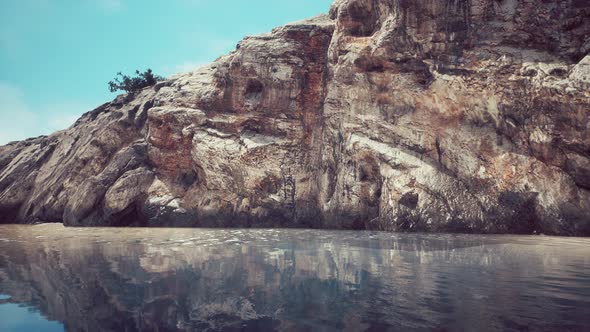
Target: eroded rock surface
[{"x": 455, "y": 115}]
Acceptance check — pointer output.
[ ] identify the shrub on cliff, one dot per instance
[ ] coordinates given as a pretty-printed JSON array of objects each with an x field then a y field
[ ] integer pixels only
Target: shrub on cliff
[{"x": 136, "y": 83}]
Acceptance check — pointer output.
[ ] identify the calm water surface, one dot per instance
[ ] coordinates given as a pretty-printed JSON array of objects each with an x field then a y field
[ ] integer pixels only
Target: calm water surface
[{"x": 289, "y": 280}]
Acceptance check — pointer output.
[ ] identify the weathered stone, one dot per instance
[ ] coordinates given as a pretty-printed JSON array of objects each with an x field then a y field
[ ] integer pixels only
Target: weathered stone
[{"x": 470, "y": 116}]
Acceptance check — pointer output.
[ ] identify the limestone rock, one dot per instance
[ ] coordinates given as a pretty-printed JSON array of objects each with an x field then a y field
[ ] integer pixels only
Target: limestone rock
[{"x": 437, "y": 116}]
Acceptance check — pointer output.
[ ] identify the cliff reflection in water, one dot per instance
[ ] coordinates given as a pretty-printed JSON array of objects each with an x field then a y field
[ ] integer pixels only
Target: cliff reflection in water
[{"x": 193, "y": 280}]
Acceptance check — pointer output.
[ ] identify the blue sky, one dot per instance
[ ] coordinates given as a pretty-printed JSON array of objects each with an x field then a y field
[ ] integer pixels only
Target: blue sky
[{"x": 56, "y": 56}]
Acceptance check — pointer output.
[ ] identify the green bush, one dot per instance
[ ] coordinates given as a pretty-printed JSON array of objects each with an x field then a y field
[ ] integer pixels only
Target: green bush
[{"x": 136, "y": 83}]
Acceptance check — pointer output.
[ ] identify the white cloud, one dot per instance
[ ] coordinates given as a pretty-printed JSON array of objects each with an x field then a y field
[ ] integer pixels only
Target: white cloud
[
  {"x": 18, "y": 120},
  {"x": 59, "y": 116},
  {"x": 184, "y": 67},
  {"x": 188, "y": 66}
]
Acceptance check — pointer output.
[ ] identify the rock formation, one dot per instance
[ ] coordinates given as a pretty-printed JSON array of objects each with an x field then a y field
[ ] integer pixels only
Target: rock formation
[{"x": 401, "y": 115}]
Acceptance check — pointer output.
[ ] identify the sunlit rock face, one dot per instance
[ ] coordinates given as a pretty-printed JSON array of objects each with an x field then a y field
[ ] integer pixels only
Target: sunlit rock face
[{"x": 467, "y": 116}]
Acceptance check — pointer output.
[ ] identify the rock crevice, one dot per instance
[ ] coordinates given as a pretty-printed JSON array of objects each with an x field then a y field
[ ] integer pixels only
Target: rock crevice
[{"x": 436, "y": 116}]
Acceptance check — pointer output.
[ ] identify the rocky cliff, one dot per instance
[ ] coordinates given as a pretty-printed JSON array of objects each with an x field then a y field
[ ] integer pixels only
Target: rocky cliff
[{"x": 401, "y": 115}]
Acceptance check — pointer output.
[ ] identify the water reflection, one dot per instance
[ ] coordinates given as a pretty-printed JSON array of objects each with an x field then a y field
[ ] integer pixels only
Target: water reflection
[
  {"x": 19, "y": 318},
  {"x": 194, "y": 280}
]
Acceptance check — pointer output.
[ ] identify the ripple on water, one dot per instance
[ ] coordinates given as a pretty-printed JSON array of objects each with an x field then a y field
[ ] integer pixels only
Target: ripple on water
[{"x": 301, "y": 279}]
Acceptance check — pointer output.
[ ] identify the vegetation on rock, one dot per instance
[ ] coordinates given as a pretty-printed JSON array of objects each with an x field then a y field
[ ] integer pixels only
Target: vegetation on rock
[{"x": 136, "y": 83}]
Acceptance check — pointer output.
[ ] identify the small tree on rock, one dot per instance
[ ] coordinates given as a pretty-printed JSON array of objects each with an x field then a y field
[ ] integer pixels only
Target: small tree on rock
[{"x": 136, "y": 83}]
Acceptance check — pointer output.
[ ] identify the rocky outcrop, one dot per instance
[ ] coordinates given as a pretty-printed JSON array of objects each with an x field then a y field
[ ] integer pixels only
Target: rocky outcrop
[{"x": 455, "y": 115}]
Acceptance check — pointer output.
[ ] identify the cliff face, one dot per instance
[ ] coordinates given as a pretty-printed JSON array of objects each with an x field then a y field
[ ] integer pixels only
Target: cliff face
[{"x": 401, "y": 115}]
